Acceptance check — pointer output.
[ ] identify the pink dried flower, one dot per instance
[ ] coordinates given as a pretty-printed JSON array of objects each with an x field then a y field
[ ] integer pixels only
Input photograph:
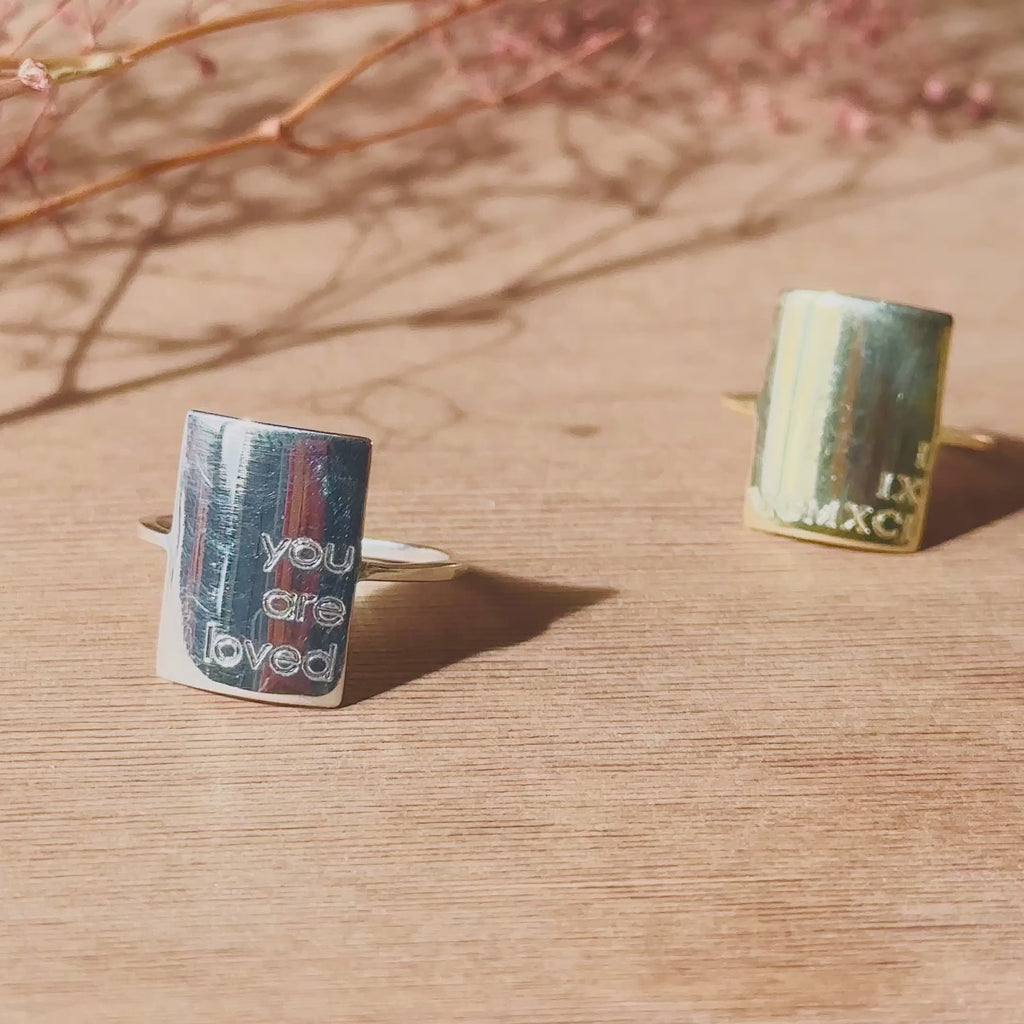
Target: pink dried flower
[
  {"x": 769, "y": 111},
  {"x": 935, "y": 91},
  {"x": 36, "y": 164},
  {"x": 645, "y": 22},
  {"x": 269, "y": 128},
  {"x": 799, "y": 51},
  {"x": 868, "y": 66},
  {"x": 852, "y": 120},
  {"x": 206, "y": 64},
  {"x": 34, "y": 75},
  {"x": 981, "y": 100},
  {"x": 554, "y": 27}
]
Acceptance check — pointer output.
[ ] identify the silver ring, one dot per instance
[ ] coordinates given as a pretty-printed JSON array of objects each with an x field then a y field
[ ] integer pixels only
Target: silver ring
[{"x": 264, "y": 549}]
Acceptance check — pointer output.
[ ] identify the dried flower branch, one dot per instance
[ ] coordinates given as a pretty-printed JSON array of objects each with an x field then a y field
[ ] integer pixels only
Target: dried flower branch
[
  {"x": 47, "y": 73},
  {"x": 775, "y": 60},
  {"x": 871, "y": 59}
]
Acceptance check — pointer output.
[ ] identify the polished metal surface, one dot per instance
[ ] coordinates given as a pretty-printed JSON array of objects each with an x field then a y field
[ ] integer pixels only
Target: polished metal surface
[
  {"x": 264, "y": 551},
  {"x": 848, "y": 421}
]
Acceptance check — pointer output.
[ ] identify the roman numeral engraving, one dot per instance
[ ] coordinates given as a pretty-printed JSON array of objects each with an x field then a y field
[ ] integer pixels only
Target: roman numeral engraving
[
  {"x": 901, "y": 489},
  {"x": 887, "y": 524},
  {"x": 859, "y": 520}
]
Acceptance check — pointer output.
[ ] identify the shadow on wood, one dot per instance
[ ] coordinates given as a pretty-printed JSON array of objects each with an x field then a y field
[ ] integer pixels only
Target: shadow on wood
[
  {"x": 971, "y": 489},
  {"x": 404, "y": 631}
]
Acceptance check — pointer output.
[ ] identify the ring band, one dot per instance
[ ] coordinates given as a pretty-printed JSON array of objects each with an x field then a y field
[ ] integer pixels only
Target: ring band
[
  {"x": 956, "y": 437},
  {"x": 382, "y": 560}
]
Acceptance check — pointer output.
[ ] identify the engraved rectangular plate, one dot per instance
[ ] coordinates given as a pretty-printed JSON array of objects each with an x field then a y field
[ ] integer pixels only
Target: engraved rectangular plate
[
  {"x": 848, "y": 421},
  {"x": 263, "y": 559}
]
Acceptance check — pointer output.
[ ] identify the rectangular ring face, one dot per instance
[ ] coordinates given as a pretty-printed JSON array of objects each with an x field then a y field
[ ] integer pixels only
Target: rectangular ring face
[
  {"x": 848, "y": 421},
  {"x": 263, "y": 559}
]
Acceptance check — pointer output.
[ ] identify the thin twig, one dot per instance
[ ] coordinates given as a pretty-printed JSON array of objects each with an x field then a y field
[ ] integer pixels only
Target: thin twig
[
  {"x": 135, "y": 174},
  {"x": 330, "y": 85},
  {"x": 69, "y": 67},
  {"x": 246, "y": 140},
  {"x": 41, "y": 23},
  {"x": 438, "y": 118},
  {"x": 96, "y": 63},
  {"x": 289, "y": 10}
]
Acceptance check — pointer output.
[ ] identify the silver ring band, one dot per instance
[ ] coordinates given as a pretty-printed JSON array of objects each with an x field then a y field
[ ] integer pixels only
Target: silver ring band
[{"x": 382, "y": 560}]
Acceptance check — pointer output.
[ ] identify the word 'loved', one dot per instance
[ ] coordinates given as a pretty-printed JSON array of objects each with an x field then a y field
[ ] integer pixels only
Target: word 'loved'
[{"x": 226, "y": 651}]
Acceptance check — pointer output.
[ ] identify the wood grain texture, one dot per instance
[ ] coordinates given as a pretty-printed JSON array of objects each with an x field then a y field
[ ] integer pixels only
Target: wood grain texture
[{"x": 641, "y": 765}]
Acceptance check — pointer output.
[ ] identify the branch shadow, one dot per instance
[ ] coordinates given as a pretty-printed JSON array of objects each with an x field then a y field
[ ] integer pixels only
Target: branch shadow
[
  {"x": 972, "y": 489},
  {"x": 403, "y": 632},
  {"x": 419, "y": 176},
  {"x": 764, "y": 215}
]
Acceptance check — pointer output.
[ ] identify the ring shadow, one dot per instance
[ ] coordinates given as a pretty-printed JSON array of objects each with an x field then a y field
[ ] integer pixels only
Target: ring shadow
[
  {"x": 971, "y": 489},
  {"x": 403, "y": 632}
]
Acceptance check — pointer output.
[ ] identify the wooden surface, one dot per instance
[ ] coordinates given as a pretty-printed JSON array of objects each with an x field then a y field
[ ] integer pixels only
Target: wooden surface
[{"x": 641, "y": 765}]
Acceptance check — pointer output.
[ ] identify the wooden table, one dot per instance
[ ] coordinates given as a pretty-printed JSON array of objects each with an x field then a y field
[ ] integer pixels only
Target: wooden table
[{"x": 640, "y": 765}]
